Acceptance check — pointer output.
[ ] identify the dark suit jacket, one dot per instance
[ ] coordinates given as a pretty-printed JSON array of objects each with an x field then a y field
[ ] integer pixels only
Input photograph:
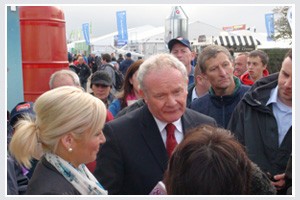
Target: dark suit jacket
[
  {"x": 134, "y": 157},
  {"x": 46, "y": 180}
]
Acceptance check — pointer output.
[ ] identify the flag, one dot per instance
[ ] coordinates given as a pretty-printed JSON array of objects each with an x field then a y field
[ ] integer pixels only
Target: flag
[
  {"x": 269, "y": 19},
  {"x": 86, "y": 33},
  {"x": 122, "y": 28}
]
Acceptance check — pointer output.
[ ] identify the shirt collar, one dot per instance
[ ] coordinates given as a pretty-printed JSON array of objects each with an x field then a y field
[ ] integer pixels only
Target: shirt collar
[
  {"x": 194, "y": 94},
  {"x": 273, "y": 96},
  {"x": 274, "y": 99},
  {"x": 161, "y": 125}
]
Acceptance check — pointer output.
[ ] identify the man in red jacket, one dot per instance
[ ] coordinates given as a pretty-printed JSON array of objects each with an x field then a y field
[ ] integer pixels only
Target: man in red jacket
[{"x": 257, "y": 63}]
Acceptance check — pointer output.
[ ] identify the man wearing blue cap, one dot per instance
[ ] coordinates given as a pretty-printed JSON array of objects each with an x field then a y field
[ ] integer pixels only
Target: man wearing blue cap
[{"x": 181, "y": 49}]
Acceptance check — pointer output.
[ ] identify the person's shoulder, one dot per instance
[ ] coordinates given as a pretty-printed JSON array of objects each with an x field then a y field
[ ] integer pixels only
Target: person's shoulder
[
  {"x": 194, "y": 115},
  {"x": 244, "y": 88},
  {"x": 131, "y": 108},
  {"x": 125, "y": 127},
  {"x": 116, "y": 101},
  {"x": 199, "y": 101},
  {"x": 272, "y": 78},
  {"x": 128, "y": 118},
  {"x": 55, "y": 184}
]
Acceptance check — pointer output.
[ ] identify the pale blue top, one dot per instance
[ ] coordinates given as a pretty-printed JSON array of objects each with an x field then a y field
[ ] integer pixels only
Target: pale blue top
[{"x": 282, "y": 113}]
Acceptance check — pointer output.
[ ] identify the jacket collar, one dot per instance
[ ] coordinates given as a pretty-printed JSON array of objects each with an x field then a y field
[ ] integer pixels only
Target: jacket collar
[{"x": 237, "y": 83}]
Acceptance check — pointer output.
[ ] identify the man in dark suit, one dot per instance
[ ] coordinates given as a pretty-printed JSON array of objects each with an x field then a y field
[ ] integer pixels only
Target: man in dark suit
[{"x": 135, "y": 157}]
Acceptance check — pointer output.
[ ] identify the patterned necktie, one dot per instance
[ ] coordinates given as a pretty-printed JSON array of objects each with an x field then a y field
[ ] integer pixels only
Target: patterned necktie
[{"x": 171, "y": 140}]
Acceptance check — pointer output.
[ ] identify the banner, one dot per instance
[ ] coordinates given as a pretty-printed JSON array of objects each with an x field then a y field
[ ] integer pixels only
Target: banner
[
  {"x": 235, "y": 27},
  {"x": 122, "y": 28},
  {"x": 269, "y": 19},
  {"x": 289, "y": 16},
  {"x": 86, "y": 33}
]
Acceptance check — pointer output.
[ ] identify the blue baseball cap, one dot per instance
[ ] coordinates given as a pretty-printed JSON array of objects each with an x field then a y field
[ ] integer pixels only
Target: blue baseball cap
[
  {"x": 180, "y": 40},
  {"x": 19, "y": 110}
]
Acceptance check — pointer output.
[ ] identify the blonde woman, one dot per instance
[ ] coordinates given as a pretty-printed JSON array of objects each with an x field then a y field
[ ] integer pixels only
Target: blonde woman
[{"x": 67, "y": 136}]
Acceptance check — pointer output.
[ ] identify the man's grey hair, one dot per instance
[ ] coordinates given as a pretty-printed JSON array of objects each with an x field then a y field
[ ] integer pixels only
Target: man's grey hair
[
  {"x": 157, "y": 62},
  {"x": 64, "y": 73}
]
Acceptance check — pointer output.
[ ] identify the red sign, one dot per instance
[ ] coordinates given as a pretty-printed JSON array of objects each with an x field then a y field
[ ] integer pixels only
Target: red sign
[{"x": 235, "y": 27}]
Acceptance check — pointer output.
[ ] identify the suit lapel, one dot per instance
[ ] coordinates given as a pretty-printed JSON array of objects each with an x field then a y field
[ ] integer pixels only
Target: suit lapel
[
  {"x": 187, "y": 121},
  {"x": 152, "y": 135},
  {"x": 153, "y": 138}
]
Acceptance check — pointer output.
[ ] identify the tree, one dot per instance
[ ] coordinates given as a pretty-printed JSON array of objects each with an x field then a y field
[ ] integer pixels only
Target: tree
[{"x": 281, "y": 24}]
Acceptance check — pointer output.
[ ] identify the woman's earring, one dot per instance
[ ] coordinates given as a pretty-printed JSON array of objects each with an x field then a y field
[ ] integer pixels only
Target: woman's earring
[{"x": 70, "y": 149}]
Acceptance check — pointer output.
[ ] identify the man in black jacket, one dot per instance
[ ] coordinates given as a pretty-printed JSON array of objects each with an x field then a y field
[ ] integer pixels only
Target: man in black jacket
[
  {"x": 262, "y": 122},
  {"x": 84, "y": 72},
  {"x": 125, "y": 64},
  {"x": 134, "y": 158}
]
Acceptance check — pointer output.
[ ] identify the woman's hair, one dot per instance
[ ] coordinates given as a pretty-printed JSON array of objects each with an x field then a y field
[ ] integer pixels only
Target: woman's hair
[
  {"x": 209, "y": 161},
  {"x": 157, "y": 62},
  {"x": 59, "y": 111},
  {"x": 128, "y": 87}
]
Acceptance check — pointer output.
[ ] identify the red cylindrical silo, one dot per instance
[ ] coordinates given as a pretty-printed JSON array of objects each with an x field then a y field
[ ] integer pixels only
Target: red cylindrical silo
[{"x": 44, "y": 47}]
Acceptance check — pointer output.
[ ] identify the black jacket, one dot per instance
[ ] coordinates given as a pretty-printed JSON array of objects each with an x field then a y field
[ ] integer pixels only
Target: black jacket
[
  {"x": 255, "y": 126},
  {"x": 84, "y": 72},
  {"x": 46, "y": 180},
  {"x": 125, "y": 64},
  {"x": 16, "y": 181}
]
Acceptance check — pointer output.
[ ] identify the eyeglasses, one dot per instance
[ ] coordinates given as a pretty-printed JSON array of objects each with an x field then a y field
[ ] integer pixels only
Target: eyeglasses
[{"x": 101, "y": 85}]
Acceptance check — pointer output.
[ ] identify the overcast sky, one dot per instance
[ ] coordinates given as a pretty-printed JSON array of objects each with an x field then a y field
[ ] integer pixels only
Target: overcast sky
[{"x": 103, "y": 17}]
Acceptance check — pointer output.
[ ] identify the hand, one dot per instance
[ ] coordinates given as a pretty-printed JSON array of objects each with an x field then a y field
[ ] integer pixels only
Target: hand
[{"x": 279, "y": 182}]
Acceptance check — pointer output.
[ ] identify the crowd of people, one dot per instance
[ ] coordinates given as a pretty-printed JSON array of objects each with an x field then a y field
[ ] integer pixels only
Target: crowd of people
[{"x": 220, "y": 127}]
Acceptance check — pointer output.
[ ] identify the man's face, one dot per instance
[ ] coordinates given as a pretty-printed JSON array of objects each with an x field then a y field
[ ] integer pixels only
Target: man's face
[
  {"x": 219, "y": 72},
  {"x": 240, "y": 65},
  {"x": 80, "y": 60},
  {"x": 285, "y": 82},
  {"x": 183, "y": 53},
  {"x": 165, "y": 94},
  {"x": 255, "y": 68}
]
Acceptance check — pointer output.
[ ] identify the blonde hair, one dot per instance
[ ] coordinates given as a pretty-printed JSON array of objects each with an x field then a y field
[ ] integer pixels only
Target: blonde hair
[{"x": 59, "y": 111}]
